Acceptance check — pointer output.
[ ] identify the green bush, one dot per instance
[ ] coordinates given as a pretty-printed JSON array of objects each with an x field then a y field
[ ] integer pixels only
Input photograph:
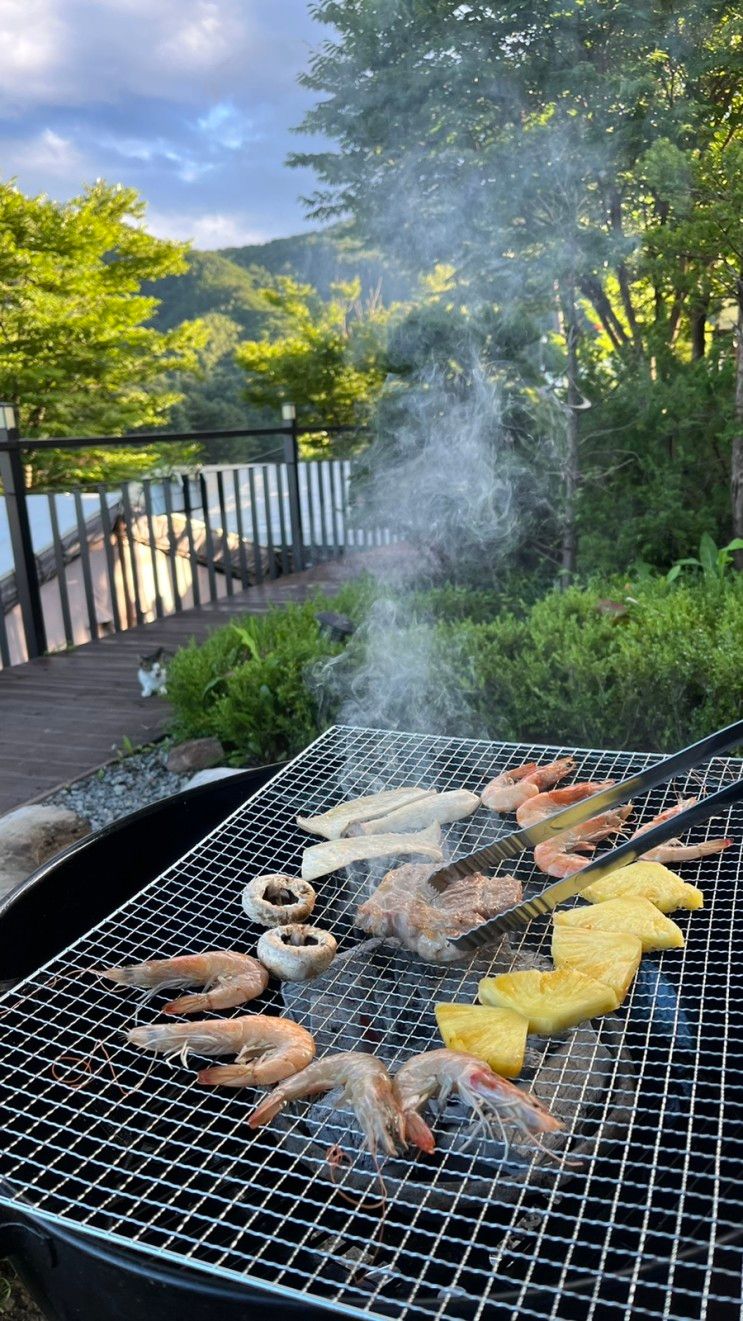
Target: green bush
[
  {"x": 247, "y": 684},
  {"x": 665, "y": 672},
  {"x": 658, "y": 668}
]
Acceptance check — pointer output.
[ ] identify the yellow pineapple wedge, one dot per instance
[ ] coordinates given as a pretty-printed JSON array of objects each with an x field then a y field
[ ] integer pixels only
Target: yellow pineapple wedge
[
  {"x": 636, "y": 916},
  {"x": 611, "y": 957},
  {"x": 552, "y": 1001},
  {"x": 646, "y": 880},
  {"x": 497, "y": 1036}
]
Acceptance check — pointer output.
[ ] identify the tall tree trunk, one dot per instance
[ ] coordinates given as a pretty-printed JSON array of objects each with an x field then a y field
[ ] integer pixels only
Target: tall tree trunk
[
  {"x": 736, "y": 465},
  {"x": 698, "y": 317},
  {"x": 571, "y": 475},
  {"x": 572, "y": 461}
]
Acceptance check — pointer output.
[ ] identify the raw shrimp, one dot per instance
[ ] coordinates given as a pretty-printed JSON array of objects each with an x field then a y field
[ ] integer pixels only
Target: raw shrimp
[
  {"x": 276, "y": 1047},
  {"x": 511, "y": 788},
  {"x": 541, "y": 806},
  {"x": 365, "y": 1085},
  {"x": 673, "y": 850},
  {"x": 230, "y": 978},
  {"x": 438, "y": 1073},
  {"x": 561, "y": 856}
]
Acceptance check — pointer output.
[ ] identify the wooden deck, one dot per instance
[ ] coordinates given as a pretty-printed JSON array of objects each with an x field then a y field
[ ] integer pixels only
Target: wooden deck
[{"x": 64, "y": 715}]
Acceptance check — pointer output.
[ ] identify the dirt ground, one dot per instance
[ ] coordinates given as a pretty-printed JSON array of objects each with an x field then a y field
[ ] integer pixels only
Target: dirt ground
[{"x": 15, "y": 1304}]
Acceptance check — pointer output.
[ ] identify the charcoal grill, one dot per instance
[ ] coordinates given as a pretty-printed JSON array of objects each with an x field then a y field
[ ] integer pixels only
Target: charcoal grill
[{"x": 649, "y": 1225}]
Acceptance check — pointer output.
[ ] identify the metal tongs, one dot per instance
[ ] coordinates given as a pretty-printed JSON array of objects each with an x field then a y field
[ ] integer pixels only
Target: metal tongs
[{"x": 511, "y": 845}]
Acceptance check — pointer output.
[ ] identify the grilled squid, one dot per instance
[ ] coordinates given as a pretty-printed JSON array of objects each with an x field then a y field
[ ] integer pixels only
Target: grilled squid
[{"x": 295, "y": 953}]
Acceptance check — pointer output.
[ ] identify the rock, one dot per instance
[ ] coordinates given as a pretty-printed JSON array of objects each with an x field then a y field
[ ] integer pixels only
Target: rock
[
  {"x": 32, "y": 834},
  {"x": 206, "y": 777},
  {"x": 195, "y": 755}
]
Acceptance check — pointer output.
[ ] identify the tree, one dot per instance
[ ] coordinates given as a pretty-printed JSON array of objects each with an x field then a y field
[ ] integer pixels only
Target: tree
[
  {"x": 326, "y": 357},
  {"x": 538, "y": 150},
  {"x": 76, "y": 354}
]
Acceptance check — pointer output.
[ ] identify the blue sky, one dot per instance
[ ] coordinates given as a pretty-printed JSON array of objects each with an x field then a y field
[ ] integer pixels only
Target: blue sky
[{"x": 190, "y": 101}]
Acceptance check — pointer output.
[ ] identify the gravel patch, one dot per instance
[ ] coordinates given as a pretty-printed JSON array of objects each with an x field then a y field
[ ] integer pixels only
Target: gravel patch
[
  {"x": 17, "y": 1304},
  {"x": 115, "y": 790}
]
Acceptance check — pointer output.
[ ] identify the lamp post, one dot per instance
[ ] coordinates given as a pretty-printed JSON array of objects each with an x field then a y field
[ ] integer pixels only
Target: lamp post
[
  {"x": 291, "y": 459},
  {"x": 19, "y": 527}
]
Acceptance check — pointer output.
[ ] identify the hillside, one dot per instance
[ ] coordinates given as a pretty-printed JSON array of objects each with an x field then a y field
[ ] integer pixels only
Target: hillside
[{"x": 223, "y": 287}]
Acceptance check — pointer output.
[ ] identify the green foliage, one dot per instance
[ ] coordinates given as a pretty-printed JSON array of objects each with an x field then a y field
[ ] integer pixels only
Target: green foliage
[
  {"x": 225, "y": 290},
  {"x": 325, "y": 356},
  {"x": 659, "y": 676},
  {"x": 247, "y": 684},
  {"x": 578, "y": 166},
  {"x": 78, "y": 357},
  {"x": 713, "y": 561},
  {"x": 647, "y": 665}
]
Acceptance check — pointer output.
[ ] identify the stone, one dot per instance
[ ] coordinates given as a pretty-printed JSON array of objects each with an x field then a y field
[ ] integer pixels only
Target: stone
[
  {"x": 207, "y": 777},
  {"x": 30, "y": 835},
  {"x": 195, "y": 755}
]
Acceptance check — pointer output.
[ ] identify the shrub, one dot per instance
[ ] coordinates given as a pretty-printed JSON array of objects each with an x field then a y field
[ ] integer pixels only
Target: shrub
[
  {"x": 664, "y": 673},
  {"x": 246, "y": 684},
  {"x": 655, "y": 670}
]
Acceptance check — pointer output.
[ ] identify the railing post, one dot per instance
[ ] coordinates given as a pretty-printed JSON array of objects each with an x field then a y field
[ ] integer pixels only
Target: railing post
[
  {"x": 26, "y": 575},
  {"x": 291, "y": 459}
]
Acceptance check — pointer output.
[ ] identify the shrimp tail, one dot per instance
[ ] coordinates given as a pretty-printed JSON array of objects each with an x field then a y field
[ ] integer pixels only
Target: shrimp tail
[
  {"x": 227, "y": 1075},
  {"x": 416, "y": 1130},
  {"x": 187, "y": 1004},
  {"x": 267, "y": 1110}
]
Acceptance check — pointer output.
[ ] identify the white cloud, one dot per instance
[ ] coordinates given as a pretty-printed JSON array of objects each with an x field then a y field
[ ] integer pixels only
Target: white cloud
[
  {"x": 34, "y": 44},
  {"x": 46, "y": 155},
  {"x": 210, "y": 230},
  {"x": 70, "y": 52}
]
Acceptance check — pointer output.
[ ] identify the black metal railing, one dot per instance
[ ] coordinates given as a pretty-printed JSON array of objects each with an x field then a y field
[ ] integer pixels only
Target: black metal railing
[{"x": 138, "y": 550}]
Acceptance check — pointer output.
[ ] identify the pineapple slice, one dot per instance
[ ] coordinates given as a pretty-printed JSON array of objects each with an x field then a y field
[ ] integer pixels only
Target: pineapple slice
[
  {"x": 497, "y": 1036},
  {"x": 611, "y": 957},
  {"x": 637, "y": 916},
  {"x": 552, "y": 1001},
  {"x": 648, "y": 880}
]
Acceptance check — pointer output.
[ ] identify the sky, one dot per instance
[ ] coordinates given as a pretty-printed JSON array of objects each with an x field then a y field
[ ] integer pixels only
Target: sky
[{"x": 190, "y": 101}]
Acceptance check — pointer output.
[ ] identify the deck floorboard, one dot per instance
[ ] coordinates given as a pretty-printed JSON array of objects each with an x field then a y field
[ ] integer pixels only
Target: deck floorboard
[{"x": 64, "y": 715}]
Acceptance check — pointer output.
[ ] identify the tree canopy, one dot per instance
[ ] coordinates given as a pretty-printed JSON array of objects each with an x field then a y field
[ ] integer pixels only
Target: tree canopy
[
  {"x": 325, "y": 356},
  {"x": 578, "y": 163},
  {"x": 78, "y": 357}
]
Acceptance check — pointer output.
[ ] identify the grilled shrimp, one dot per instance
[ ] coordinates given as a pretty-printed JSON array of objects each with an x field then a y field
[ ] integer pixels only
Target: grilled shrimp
[
  {"x": 511, "y": 788},
  {"x": 275, "y": 1047},
  {"x": 438, "y": 1073},
  {"x": 541, "y": 806},
  {"x": 230, "y": 978},
  {"x": 365, "y": 1086},
  {"x": 673, "y": 850},
  {"x": 561, "y": 856}
]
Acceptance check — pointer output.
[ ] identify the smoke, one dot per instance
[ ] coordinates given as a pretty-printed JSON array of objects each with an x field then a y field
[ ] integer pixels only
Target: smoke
[{"x": 445, "y": 475}]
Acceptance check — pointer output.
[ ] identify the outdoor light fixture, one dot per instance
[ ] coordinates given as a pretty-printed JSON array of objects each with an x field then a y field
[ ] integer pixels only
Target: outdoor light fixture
[
  {"x": 7, "y": 417},
  {"x": 289, "y": 412}
]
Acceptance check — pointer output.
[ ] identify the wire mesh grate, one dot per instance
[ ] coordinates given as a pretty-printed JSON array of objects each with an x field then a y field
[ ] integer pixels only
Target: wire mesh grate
[{"x": 646, "y": 1226}]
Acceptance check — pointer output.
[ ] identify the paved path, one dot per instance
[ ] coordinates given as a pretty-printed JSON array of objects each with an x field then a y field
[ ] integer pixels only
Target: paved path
[{"x": 63, "y": 715}]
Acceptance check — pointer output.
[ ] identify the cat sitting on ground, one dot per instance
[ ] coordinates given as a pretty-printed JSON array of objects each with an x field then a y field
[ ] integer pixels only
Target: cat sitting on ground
[{"x": 153, "y": 673}]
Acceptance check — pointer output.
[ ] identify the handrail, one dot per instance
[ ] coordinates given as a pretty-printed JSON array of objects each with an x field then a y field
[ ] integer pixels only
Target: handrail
[
  {"x": 169, "y": 437},
  {"x": 320, "y": 496}
]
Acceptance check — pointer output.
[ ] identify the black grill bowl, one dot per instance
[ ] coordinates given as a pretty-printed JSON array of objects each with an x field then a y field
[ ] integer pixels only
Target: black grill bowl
[
  {"x": 167, "y": 1205},
  {"x": 71, "y": 1276}
]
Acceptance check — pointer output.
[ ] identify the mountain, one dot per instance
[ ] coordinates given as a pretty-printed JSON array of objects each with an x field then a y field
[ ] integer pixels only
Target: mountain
[
  {"x": 212, "y": 284},
  {"x": 223, "y": 287},
  {"x": 323, "y": 259}
]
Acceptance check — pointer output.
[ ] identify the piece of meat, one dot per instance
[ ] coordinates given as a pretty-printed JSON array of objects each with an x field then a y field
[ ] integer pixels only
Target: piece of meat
[
  {"x": 406, "y": 908},
  {"x": 321, "y": 859}
]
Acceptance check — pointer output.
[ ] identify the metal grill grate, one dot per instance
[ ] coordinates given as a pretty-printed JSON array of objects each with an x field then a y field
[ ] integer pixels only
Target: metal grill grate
[{"x": 647, "y": 1227}]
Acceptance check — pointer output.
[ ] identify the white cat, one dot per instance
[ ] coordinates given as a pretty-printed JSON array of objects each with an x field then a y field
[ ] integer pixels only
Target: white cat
[{"x": 152, "y": 674}]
